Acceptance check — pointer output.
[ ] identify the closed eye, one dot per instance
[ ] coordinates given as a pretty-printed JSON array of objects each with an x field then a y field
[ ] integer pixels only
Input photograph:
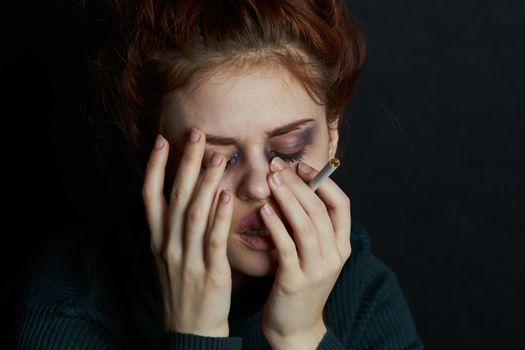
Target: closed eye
[
  {"x": 292, "y": 157},
  {"x": 287, "y": 157}
]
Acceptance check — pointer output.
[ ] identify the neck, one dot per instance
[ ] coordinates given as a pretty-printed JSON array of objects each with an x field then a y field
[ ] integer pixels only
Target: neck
[
  {"x": 248, "y": 293},
  {"x": 241, "y": 281}
]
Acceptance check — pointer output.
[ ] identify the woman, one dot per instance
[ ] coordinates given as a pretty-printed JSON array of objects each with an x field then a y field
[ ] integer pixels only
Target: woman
[{"x": 231, "y": 108}]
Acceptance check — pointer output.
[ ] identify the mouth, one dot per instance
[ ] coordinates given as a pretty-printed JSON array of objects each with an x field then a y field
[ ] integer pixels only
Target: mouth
[
  {"x": 252, "y": 224},
  {"x": 261, "y": 231}
]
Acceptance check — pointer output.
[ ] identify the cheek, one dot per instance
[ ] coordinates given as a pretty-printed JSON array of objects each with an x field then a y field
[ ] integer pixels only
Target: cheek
[
  {"x": 227, "y": 183},
  {"x": 319, "y": 162},
  {"x": 317, "y": 158}
]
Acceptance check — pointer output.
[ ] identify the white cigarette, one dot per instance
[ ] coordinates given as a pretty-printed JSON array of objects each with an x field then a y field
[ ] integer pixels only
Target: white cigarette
[{"x": 328, "y": 169}]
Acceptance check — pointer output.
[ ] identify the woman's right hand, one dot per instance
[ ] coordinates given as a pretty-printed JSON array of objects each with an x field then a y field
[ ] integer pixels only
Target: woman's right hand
[{"x": 192, "y": 266}]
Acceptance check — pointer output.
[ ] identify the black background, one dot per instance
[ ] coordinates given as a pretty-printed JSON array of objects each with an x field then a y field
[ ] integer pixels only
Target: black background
[{"x": 434, "y": 161}]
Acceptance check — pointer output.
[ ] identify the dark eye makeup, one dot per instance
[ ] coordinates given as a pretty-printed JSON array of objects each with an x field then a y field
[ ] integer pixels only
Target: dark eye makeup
[
  {"x": 287, "y": 157},
  {"x": 304, "y": 139}
]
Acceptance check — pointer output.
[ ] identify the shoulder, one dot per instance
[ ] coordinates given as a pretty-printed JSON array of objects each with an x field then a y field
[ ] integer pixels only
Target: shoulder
[
  {"x": 82, "y": 260},
  {"x": 362, "y": 262},
  {"x": 361, "y": 269},
  {"x": 81, "y": 282},
  {"x": 371, "y": 277},
  {"x": 367, "y": 306},
  {"x": 60, "y": 270}
]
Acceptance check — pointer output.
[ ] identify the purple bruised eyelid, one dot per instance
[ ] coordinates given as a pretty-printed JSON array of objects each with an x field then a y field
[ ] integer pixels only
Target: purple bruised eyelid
[{"x": 293, "y": 144}]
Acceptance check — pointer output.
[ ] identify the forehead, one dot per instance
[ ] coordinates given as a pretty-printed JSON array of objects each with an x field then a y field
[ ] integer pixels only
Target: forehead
[{"x": 236, "y": 104}]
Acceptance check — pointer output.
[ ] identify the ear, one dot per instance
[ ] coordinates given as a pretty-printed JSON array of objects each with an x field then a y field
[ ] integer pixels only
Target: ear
[{"x": 333, "y": 135}]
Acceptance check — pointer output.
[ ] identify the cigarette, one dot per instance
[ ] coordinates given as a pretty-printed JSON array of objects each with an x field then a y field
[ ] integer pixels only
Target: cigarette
[{"x": 328, "y": 169}]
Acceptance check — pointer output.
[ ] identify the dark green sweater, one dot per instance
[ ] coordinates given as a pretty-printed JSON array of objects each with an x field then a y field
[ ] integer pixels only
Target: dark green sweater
[{"x": 96, "y": 291}]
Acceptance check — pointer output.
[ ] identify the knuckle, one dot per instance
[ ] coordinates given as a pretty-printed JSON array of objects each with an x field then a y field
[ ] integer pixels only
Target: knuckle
[
  {"x": 192, "y": 271},
  {"x": 188, "y": 277},
  {"x": 195, "y": 214},
  {"x": 292, "y": 286},
  {"x": 215, "y": 243},
  {"x": 147, "y": 194},
  {"x": 319, "y": 277},
  {"x": 177, "y": 195},
  {"x": 169, "y": 257},
  {"x": 154, "y": 247}
]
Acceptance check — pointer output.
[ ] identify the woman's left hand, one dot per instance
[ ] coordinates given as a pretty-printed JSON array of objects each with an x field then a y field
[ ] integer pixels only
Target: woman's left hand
[{"x": 292, "y": 317}]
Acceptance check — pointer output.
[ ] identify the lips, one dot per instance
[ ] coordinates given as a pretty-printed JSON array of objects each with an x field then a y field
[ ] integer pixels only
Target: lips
[{"x": 253, "y": 224}]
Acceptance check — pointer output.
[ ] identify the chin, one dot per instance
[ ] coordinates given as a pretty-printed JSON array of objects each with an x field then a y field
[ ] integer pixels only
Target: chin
[{"x": 255, "y": 263}]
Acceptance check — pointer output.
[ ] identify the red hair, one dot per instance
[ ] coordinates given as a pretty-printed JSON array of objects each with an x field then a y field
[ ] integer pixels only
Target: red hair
[{"x": 159, "y": 46}]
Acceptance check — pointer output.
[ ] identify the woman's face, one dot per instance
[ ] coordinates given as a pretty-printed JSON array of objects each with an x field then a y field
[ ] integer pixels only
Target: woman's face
[{"x": 249, "y": 117}]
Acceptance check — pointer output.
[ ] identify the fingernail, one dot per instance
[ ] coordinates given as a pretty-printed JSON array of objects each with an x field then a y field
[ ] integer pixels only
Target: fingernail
[
  {"x": 225, "y": 196},
  {"x": 277, "y": 164},
  {"x": 159, "y": 142},
  {"x": 216, "y": 159},
  {"x": 267, "y": 209},
  {"x": 194, "y": 136},
  {"x": 277, "y": 179}
]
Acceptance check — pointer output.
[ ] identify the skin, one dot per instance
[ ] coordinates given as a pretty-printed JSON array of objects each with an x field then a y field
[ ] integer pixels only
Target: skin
[{"x": 306, "y": 261}]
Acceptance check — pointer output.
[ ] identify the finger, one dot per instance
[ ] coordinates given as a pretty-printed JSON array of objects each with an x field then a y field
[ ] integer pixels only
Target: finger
[
  {"x": 217, "y": 240},
  {"x": 182, "y": 189},
  {"x": 286, "y": 249},
  {"x": 313, "y": 206},
  {"x": 337, "y": 203},
  {"x": 199, "y": 209},
  {"x": 152, "y": 193},
  {"x": 306, "y": 238}
]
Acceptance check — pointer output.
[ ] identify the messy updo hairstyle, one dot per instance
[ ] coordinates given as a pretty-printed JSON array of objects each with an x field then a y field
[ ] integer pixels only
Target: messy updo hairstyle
[{"x": 158, "y": 46}]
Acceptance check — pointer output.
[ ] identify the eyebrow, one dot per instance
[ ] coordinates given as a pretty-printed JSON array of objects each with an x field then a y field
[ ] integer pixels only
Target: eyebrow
[{"x": 225, "y": 141}]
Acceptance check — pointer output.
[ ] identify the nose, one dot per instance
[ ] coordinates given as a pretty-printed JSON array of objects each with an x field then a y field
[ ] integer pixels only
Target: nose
[{"x": 253, "y": 185}]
